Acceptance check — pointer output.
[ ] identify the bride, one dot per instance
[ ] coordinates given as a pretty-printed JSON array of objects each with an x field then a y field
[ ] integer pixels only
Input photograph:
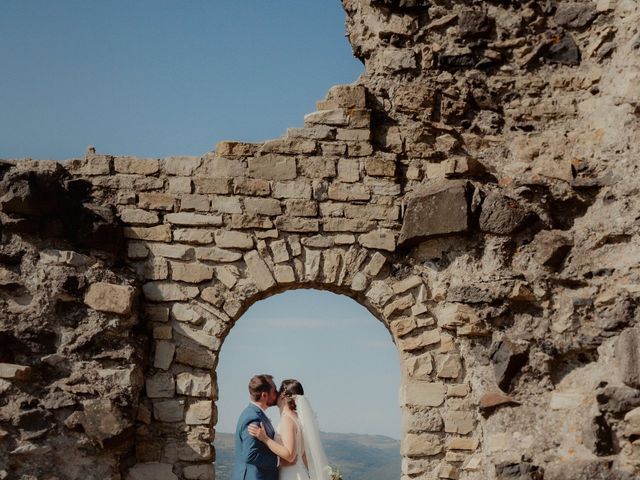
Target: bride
[{"x": 297, "y": 442}]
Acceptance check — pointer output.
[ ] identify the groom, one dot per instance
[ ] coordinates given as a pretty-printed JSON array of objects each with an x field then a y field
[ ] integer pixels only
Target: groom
[{"x": 253, "y": 460}]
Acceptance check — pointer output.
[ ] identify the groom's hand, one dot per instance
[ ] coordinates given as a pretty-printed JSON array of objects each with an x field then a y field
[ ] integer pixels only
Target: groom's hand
[{"x": 259, "y": 432}]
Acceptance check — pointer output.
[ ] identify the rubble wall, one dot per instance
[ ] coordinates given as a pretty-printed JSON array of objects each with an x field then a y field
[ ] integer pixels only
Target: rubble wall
[{"x": 475, "y": 189}]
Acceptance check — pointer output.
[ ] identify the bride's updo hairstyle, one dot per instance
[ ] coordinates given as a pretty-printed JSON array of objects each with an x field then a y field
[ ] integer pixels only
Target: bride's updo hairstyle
[{"x": 290, "y": 388}]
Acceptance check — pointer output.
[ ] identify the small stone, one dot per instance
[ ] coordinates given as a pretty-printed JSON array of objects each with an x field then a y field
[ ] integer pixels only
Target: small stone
[
  {"x": 378, "y": 239},
  {"x": 184, "y": 218},
  {"x": 183, "y": 312},
  {"x": 156, "y": 201},
  {"x": 259, "y": 271},
  {"x": 137, "y": 216},
  {"x": 106, "y": 297},
  {"x": 491, "y": 400},
  {"x": 501, "y": 215},
  {"x": 213, "y": 295},
  {"x": 632, "y": 423},
  {"x": 199, "y": 413},
  {"x": 450, "y": 367},
  {"x": 164, "y": 354},
  {"x": 168, "y": 410},
  {"x": 462, "y": 443},
  {"x": 423, "y": 394},
  {"x": 216, "y": 254},
  {"x": 575, "y": 14},
  {"x": 191, "y": 272},
  {"x": 420, "y": 367},
  {"x": 14, "y": 372},
  {"x": 628, "y": 356},
  {"x": 508, "y": 359},
  {"x": 458, "y": 422},
  {"x": 160, "y": 233},
  {"x": 138, "y": 166},
  {"x": 420, "y": 445},
  {"x": 193, "y": 235},
  {"x": 195, "y": 357},
  {"x": 233, "y": 239},
  {"x": 375, "y": 264},
  {"x": 168, "y": 292},
  {"x": 440, "y": 210},
  {"x": 160, "y": 385},
  {"x": 194, "y": 385},
  {"x": 273, "y": 167}
]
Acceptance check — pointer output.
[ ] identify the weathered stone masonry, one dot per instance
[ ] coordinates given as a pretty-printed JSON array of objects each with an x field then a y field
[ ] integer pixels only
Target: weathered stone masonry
[{"x": 476, "y": 190}]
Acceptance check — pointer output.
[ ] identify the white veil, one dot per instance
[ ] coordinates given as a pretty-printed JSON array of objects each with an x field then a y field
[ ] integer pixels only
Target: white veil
[{"x": 319, "y": 468}]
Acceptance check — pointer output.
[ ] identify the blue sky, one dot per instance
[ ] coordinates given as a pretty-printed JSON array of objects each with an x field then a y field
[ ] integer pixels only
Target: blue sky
[
  {"x": 162, "y": 77},
  {"x": 341, "y": 353},
  {"x": 155, "y": 78}
]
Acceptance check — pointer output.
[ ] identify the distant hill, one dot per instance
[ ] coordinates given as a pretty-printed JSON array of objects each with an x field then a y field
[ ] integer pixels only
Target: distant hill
[{"x": 360, "y": 457}]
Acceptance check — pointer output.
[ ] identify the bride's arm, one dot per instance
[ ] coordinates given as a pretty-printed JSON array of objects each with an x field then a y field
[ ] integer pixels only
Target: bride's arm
[{"x": 285, "y": 450}]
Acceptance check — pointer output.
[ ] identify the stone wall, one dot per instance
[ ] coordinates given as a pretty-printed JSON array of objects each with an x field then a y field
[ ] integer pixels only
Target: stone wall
[{"x": 475, "y": 190}]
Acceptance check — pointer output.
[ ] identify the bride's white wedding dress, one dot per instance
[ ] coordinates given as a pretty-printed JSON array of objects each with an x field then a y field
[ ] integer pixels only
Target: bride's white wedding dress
[{"x": 297, "y": 471}]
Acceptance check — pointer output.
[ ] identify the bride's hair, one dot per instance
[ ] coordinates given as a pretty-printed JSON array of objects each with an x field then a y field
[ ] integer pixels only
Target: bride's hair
[{"x": 289, "y": 388}]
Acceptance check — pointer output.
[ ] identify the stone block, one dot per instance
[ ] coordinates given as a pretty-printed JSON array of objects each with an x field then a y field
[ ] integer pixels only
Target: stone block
[
  {"x": 627, "y": 353},
  {"x": 344, "y": 96},
  {"x": 419, "y": 367},
  {"x": 233, "y": 239},
  {"x": 418, "y": 342},
  {"x": 251, "y": 186},
  {"x": 297, "y": 224},
  {"x": 181, "y": 166},
  {"x": 216, "y": 166},
  {"x": 262, "y": 206},
  {"x": 458, "y": 422},
  {"x": 226, "y": 204},
  {"x": 197, "y": 202},
  {"x": 160, "y": 233},
  {"x": 450, "y": 367},
  {"x": 106, "y": 297},
  {"x": 317, "y": 132},
  {"x": 318, "y": 167},
  {"x": 375, "y": 264},
  {"x": 372, "y": 212},
  {"x": 220, "y": 186},
  {"x": 347, "y": 225},
  {"x": 348, "y": 170},
  {"x": 379, "y": 293},
  {"x": 156, "y": 201},
  {"x": 273, "y": 167},
  {"x": 14, "y": 372},
  {"x": 137, "y": 166},
  {"x": 423, "y": 394},
  {"x": 168, "y": 410},
  {"x": 160, "y": 385},
  {"x": 191, "y": 272},
  {"x": 137, "y": 216},
  {"x": 195, "y": 356},
  {"x": 213, "y": 295},
  {"x": 199, "y": 336},
  {"x": 440, "y": 210},
  {"x": 169, "y": 292},
  {"x": 164, "y": 354},
  {"x": 193, "y": 235},
  {"x": 293, "y": 189},
  {"x": 353, "y": 134},
  {"x": 284, "y": 274},
  {"x": 179, "y": 185},
  {"x": 216, "y": 254},
  {"x": 183, "y": 312},
  {"x": 301, "y": 208},
  {"x": 194, "y": 219},
  {"x": 198, "y": 472},
  {"x": 380, "y": 166},
  {"x": 346, "y": 192},
  {"x": 501, "y": 215},
  {"x": 259, "y": 271},
  {"x": 236, "y": 149},
  {"x": 289, "y": 146},
  {"x": 379, "y": 240},
  {"x": 228, "y": 275},
  {"x": 421, "y": 445},
  {"x": 334, "y": 117},
  {"x": 194, "y": 384},
  {"x": 199, "y": 413}
]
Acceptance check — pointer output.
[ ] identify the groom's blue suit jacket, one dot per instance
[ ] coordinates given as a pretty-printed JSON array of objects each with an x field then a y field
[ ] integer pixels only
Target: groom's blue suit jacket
[{"x": 253, "y": 459}]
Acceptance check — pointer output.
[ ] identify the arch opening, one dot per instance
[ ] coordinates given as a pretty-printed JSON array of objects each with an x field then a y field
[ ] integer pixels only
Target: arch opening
[{"x": 349, "y": 367}]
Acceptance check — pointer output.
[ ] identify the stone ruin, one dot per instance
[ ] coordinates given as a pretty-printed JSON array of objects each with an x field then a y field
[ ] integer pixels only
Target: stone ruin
[{"x": 476, "y": 189}]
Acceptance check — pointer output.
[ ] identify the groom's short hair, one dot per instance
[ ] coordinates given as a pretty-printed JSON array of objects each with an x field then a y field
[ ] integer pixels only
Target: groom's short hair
[{"x": 259, "y": 384}]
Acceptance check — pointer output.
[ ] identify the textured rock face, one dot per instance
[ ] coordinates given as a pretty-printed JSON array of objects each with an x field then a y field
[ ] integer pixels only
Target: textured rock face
[{"x": 476, "y": 189}]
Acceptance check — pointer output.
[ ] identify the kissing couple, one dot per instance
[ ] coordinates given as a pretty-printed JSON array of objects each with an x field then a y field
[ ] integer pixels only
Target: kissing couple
[{"x": 293, "y": 451}]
